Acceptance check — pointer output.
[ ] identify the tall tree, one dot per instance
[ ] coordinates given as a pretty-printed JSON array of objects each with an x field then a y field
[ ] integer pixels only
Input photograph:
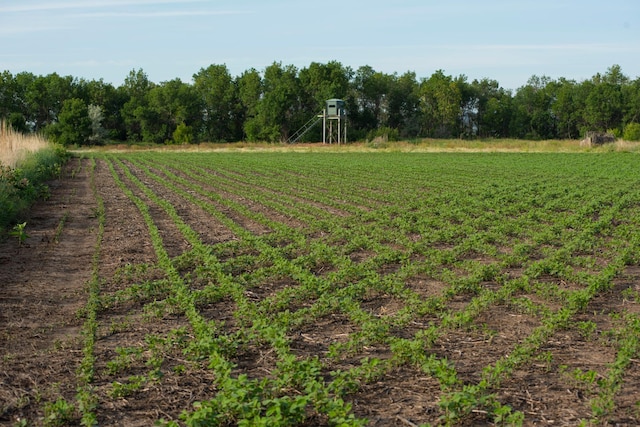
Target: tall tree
[
  {"x": 249, "y": 86},
  {"x": 532, "y": 117},
  {"x": 8, "y": 94},
  {"x": 493, "y": 106},
  {"x": 367, "y": 103},
  {"x": 320, "y": 82},
  {"x": 74, "y": 124},
  {"x": 215, "y": 87},
  {"x": 111, "y": 101},
  {"x": 566, "y": 107},
  {"x": 604, "y": 109},
  {"x": 404, "y": 105},
  {"x": 10, "y": 106},
  {"x": 135, "y": 88},
  {"x": 440, "y": 98},
  {"x": 632, "y": 98},
  {"x": 279, "y": 106},
  {"x": 168, "y": 105},
  {"x": 43, "y": 96}
]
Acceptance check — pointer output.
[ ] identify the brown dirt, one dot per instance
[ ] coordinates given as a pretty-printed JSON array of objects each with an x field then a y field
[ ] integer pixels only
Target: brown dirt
[{"x": 44, "y": 288}]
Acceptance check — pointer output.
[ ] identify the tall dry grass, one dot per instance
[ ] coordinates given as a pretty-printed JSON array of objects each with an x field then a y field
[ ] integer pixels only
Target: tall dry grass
[{"x": 14, "y": 146}]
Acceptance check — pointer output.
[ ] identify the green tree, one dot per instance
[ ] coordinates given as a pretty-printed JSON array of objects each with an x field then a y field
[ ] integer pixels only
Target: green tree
[
  {"x": 168, "y": 105},
  {"x": 135, "y": 89},
  {"x": 40, "y": 98},
  {"x": 22, "y": 81},
  {"x": 46, "y": 96},
  {"x": 604, "y": 109},
  {"x": 493, "y": 108},
  {"x": 566, "y": 108},
  {"x": 111, "y": 101},
  {"x": 467, "y": 123},
  {"x": 404, "y": 105},
  {"x": 320, "y": 82},
  {"x": 249, "y": 86},
  {"x": 279, "y": 106},
  {"x": 217, "y": 91},
  {"x": 631, "y": 95},
  {"x": 73, "y": 126},
  {"x": 532, "y": 117},
  {"x": 8, "y": 94},
  {"x": 440, "y": 101},
  {"x": 367, "y": 101},
  {"x": 13, "y": 108}
]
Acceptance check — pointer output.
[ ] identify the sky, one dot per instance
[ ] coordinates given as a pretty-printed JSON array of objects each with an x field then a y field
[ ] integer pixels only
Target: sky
[{"x": 504, "y": 40}]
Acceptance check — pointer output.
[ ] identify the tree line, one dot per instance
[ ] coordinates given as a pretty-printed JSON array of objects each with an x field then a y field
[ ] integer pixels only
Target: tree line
[{"x": 271, "y": 105}]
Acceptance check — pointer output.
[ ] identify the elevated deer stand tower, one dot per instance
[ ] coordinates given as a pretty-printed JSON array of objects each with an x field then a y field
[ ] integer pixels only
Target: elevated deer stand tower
[{"x": 334, "y": 122}]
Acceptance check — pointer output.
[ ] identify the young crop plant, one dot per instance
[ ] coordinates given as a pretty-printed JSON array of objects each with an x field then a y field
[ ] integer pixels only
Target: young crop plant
[
  {"x": 338, "y": 273},
  {"x": 86, "y": 398},
  {"x": 18, "y": 231},
  {"x": 59, "y": 413},
  {"x": 60, "y": 227},
  {"x": 125, "y": 389},
  {"x": 629, "y": 346}
]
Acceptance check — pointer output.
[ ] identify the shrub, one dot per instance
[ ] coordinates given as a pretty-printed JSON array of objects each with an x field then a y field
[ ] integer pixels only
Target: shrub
[
  {"x": 383, "y": 134},
  {"x": 631, "y": 132},
  {"x": 183, "y": 134},
  {"x": 23, "y": 184},
  {"x": 74, "y": 126}
]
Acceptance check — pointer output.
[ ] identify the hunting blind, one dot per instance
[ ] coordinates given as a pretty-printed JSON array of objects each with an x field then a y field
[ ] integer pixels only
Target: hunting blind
[{"x": 334, "y": 123}]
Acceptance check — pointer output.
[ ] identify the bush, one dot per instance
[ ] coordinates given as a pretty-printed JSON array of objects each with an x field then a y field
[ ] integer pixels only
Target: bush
[
  {"x": 383, "y": 134},
  {"x": 74, "y": 124},
  {"x": 24, "y": 184},
  {"x": 183, "y": 134},
  {"x": 631, "y": 132}
]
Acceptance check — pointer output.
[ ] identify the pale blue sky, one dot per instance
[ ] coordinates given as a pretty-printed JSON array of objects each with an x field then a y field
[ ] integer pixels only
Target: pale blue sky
[{"x": 505, "y": 40}]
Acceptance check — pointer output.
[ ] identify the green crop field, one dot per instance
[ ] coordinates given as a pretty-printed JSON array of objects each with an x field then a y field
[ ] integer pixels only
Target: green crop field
[{"x": 348, "y": 289}]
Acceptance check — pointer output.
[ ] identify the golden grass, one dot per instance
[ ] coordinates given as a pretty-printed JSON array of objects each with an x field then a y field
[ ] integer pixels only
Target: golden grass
[
  {"x": 416, "y": 146},
  {"x": 14, "y": 146}
]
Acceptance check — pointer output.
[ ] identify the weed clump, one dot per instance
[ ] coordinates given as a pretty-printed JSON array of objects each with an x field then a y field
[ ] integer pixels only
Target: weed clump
[{"x": 26, "y": 163}]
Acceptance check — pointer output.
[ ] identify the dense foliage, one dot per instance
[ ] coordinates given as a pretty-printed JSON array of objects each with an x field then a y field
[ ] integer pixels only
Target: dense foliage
[
  {"x": 21, "y": 186},
  {"x": 271, "y": 105}
]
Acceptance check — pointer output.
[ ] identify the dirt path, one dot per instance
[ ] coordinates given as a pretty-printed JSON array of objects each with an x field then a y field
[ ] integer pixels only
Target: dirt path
[{"x": 42, "y": 290}]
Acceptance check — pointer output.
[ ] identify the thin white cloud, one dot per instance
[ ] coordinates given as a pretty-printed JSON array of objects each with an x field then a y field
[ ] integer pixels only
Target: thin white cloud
[
  {"x": 47, "y": 6},
  {"x": 165, "y": 14},
  {"x": 95, "y": 63},
  {"x": 70, "y": 13},
  {"x": 591, "y": 47},
  {"x": 28, "y": 29},
  {"x": 496, "y": 47}
]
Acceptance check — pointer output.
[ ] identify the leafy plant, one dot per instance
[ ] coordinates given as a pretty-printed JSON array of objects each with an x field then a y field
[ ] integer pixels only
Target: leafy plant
[
  {"x": 20, "y": 233},
  {"x": 631, "y": 132},
  {"x": 134, "y": 383},
  {"x": 58, "y": 413}
]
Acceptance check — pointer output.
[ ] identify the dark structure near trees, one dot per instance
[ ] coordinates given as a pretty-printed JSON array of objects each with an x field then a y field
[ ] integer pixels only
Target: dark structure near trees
[
  {"x": 334, "y": 113},
  {"x": 597, "y": 138}
]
